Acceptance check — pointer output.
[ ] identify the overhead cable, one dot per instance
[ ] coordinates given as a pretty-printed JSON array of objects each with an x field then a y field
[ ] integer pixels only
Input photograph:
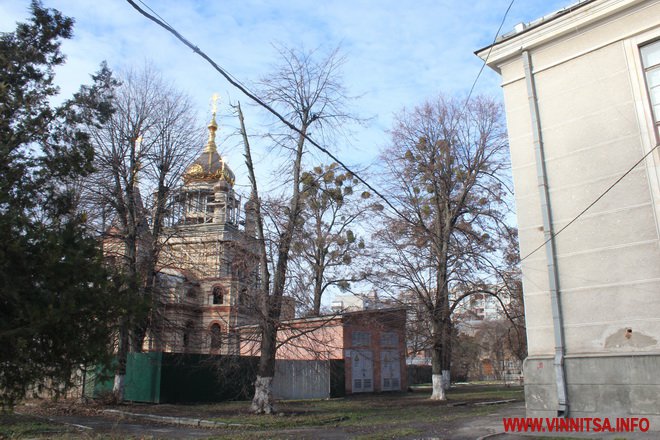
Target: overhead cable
[
  {"x": 483, "y": 65},
  {"x": 256, "y": 99},
  {"x": 609, "y": 188}
]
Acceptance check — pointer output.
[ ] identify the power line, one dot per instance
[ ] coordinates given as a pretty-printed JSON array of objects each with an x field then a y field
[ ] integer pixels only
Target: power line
[
  {"x": 591, "y": 204},
  {"x": 236, "y": 83},
  {"x": 597, "y": 198},
  {"x": 154, "y": 12},
  {"x": 256, "y": 99},
  {"x": 497, "y": 34}
]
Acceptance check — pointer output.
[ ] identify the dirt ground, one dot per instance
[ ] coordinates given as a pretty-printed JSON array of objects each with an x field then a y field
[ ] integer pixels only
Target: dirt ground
[{"x": 471, "y": 412}]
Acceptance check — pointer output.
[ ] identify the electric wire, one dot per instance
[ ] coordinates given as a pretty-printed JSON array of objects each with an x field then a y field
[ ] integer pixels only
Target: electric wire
[
  {"x": 236, "y": 83},
  {"x": 155, "y": 13},
  {"x": 244, "y": 89},
  {"x": 256, "y": 99},
  {"x": 490, "y": 49},
  {"x": 609, "y": 188}
]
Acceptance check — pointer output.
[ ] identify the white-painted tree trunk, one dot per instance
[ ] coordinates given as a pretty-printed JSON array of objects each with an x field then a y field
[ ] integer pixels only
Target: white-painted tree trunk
[
  {"x": 438, "y": 390},
  {"x": 118, "y": 386},
  {"x": 262, "y": 403},
  {"x": 446, "y": 379}
]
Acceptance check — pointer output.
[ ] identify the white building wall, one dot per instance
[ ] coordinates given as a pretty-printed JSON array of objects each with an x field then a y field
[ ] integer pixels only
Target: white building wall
[
  {"x": 596, "y": 123},
  {"x": 609, "y": 260}
]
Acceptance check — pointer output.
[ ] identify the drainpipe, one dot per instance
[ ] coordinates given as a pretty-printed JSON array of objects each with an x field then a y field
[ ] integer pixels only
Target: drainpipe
[{"x": 548, "y": 233}]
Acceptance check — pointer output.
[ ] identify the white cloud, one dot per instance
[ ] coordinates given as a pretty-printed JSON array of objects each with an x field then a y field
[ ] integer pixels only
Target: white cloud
[{"x": 398, "y": 52}]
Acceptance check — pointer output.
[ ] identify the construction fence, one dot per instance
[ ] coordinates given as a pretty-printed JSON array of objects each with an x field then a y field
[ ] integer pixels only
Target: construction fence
[{"x": 158, "y": 377}]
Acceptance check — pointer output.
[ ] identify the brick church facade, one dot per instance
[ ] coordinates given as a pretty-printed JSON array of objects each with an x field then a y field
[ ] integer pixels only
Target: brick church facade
[
  {"x": 203, "y": 275},
  {"x": 205, "y": 267}
]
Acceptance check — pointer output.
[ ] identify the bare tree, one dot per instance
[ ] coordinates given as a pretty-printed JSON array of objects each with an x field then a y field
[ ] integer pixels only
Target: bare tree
[
  {"x": 140, "y": 155},
  {"x": 327, "y": 249},
  {"x": 306, "y": 89},
  {"x": 446, "y": 171},
  {"x": 497, "y": 344},
  {"x": 514, "y": 310}
]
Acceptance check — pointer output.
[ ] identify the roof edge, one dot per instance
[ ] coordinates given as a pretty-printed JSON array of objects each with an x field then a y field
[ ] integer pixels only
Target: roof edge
[
  {"x": 581, "y": 16},
  {"x": 535, "y": 24}
]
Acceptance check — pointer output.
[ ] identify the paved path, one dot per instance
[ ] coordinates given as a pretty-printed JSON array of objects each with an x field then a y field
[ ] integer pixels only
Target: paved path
[
  {"x": 133, "y": 428},
  {"x": 487, "y": 427},
  {"x": 459, "y": 430}
]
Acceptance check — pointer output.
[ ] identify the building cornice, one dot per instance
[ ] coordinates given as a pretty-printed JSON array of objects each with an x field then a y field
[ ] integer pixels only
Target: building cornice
[{"x": 559, "y": 25}]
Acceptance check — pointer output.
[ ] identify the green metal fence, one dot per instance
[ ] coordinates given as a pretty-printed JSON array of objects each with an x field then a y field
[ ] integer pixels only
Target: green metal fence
[
  {"x": 157, "y": 377},
  {"x": 179, "y": 378}
]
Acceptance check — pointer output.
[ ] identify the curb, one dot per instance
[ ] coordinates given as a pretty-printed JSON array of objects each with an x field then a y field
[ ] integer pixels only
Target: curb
[
  {"x": 495, "y": 402},
  {"x": 59, "y": 422},
  {"x": 186, "y": 421},
  {"x": 495, "y": 434}
]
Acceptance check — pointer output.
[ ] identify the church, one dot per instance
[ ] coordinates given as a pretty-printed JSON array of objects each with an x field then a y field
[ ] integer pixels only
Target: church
[
  {"x": 206, "y": 270},
  {"x": 202, "y": 287},
  {"x": 205, "y": 304}
]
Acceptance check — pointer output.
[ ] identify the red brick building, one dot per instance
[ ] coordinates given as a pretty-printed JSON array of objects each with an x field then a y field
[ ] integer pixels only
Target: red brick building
[{"x": 371, "y": 343}]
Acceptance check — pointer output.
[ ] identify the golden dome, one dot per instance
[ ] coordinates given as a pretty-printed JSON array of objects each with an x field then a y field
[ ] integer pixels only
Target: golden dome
[{"x": 209, "y": 166}]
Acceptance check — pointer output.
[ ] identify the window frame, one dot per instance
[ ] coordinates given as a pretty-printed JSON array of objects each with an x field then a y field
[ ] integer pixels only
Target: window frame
[
  {"x": 360, "y": 338},
  {"x": 389, "y": 339},
  {"x": 221, "y": 294},
  {"x": 215, "y": 342},
  {"x": 655, "y": 118},
  {"x": 649, "y": 132}
]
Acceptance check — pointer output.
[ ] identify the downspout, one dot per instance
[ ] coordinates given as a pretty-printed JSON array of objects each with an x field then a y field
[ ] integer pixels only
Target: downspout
[{"x": 548, "y": 234}]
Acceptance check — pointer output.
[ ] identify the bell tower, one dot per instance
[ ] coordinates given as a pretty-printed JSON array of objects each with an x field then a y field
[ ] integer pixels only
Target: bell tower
[{"x": 205, "y": 246}]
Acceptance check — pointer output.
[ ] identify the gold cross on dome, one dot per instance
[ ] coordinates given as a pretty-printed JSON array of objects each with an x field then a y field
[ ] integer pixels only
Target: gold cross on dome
[{"x": 214, "y": 102}]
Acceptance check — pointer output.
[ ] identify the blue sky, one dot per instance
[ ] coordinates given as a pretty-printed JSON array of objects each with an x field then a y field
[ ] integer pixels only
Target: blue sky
[{"x": 398, "y": 53}]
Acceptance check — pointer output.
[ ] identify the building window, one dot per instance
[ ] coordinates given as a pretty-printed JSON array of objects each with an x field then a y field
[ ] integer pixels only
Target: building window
[
  {"x": 651, "y": 62},
  {"x": 187, "y": 335},
  {"x": 234, "y": 343},
  {"x": 361, "y": 339},
  {"x": 389, "y": 339},
  {"x": 218, "y": 295},
  {"x": 216, "y": 337},
  {"x": 199, "y": 207}
]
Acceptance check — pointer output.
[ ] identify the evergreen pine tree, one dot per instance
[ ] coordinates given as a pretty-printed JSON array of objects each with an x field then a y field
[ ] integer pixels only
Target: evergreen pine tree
[{"x": 58, "y": 303}]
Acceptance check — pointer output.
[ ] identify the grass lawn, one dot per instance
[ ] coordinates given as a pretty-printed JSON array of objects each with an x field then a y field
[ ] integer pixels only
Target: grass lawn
[
  {"x": 14, "y": 426},
  {"x": 368, "y": 409},
  {"x": 390, "y": 415},
  {"x": 364, "y": 416}
]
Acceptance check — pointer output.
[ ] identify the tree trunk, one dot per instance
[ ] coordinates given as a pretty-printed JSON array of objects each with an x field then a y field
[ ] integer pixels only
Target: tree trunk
[
  {"x": 446, "y": 379},
  {"x": 122, "y": 355},
  {"x": 445, "y": 365},
  {"x": 263, "y": 403},
  {"x": 318, "y": 290},
  {"x": 438, "y": 390},
  {"x": 441, "y": 383},
  {"x": 441, "y": 358},
  {"x": 436, "y": 366}
]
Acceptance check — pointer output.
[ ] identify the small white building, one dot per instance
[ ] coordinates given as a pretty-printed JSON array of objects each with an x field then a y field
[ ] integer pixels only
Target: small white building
[
  {"x": 582, "y": 96},
  {"x": 348, "y": 303}
]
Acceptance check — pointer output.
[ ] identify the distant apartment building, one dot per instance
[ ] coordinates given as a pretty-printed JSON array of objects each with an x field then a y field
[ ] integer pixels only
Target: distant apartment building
[
  {"x": 348, "y": 303},
  {"x": 582, "y": 96},
  {"x": 477, "y": 308},
  {"x": 367, "y": 301}
]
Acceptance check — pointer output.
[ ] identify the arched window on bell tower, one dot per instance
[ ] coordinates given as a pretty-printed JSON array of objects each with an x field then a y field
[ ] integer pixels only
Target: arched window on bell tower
[
  {"x": 187, "y": 336},
  {"x": 216, "y": 337},
  {"x": 218, "y": 295}
]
